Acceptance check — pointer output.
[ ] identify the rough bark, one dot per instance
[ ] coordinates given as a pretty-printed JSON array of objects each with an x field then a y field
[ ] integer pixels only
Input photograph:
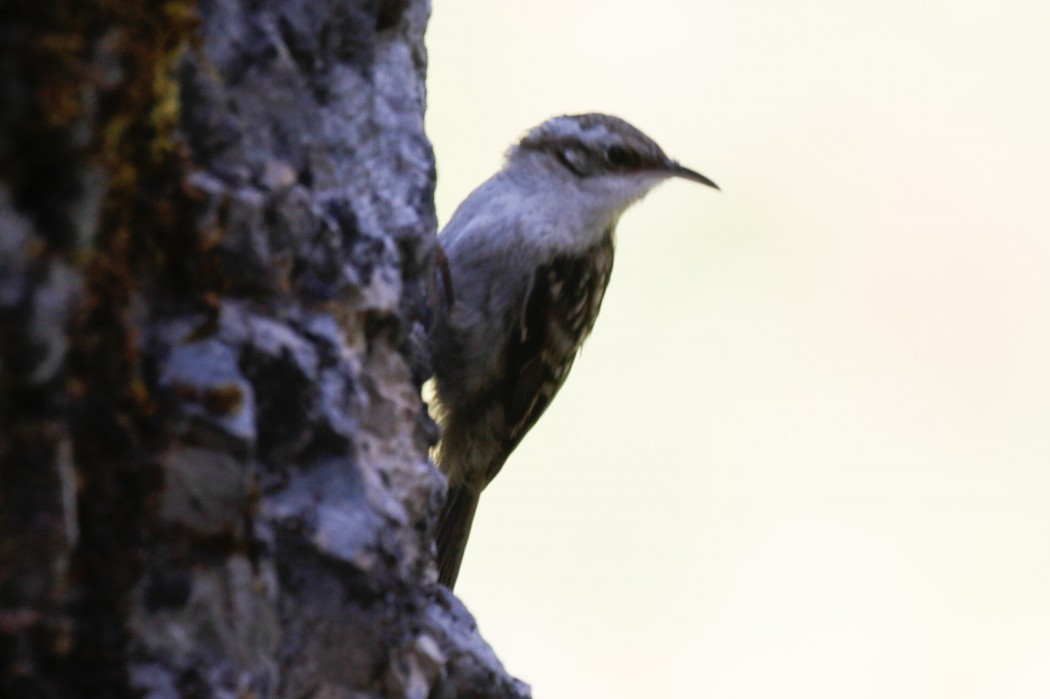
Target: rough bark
[{"x": 216, "y": 241}]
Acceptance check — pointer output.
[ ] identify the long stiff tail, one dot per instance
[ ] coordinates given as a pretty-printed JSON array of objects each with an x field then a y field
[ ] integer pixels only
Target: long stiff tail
[{"x": 452, "y": 531}]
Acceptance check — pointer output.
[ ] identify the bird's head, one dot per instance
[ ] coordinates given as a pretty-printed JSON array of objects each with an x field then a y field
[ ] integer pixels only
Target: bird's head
[{"x": 597, "y": 155}]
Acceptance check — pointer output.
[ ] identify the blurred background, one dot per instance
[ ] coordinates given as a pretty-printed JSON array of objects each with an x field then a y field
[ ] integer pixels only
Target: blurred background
[{"x": 806, "y": 452}]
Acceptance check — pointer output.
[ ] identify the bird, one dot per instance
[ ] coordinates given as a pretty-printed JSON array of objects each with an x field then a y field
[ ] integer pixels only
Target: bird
[{"x": 526, "y": 259}]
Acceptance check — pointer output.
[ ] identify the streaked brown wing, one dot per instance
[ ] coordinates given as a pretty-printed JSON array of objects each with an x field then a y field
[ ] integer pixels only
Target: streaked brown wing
[{"x": 563, "y": 302}]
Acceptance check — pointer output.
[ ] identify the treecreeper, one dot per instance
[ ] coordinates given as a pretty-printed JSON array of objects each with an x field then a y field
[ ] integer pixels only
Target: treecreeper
[{"x": 529, "y": 254}]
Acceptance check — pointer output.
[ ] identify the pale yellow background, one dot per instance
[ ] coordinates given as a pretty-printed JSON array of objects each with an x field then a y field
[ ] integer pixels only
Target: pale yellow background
[{"x": 806, "y": 452}]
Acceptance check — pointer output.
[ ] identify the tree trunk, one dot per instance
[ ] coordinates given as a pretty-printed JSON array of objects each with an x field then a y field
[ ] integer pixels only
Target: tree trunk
[{"x": 216, "y": 253}]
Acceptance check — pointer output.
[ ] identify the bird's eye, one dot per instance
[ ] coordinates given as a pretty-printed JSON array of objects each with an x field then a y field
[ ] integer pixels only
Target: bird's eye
[{"x": 618, "y": 155}]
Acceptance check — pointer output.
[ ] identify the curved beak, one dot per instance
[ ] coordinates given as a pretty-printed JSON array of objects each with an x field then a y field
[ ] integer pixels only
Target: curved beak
[{"x": 676, "y": 170}]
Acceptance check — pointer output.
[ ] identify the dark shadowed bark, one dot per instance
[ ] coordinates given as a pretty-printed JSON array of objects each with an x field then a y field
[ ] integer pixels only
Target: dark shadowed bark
[{"x": 216, "y": 243}]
